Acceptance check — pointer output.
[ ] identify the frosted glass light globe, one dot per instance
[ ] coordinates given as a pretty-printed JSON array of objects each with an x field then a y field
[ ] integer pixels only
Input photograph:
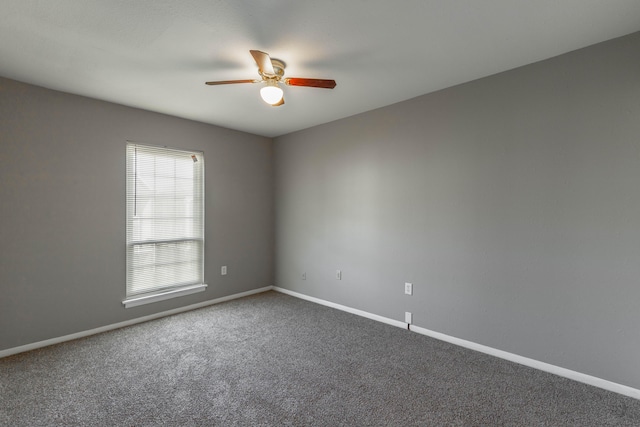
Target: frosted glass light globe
[{"x": 271, "y": 94}]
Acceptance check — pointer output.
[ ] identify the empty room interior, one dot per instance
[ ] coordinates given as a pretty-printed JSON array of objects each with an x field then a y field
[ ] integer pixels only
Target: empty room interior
[{"x": 435, "y": 222}]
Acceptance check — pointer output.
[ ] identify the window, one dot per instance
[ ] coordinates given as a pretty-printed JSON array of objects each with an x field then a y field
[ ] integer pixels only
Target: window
[{"x": 165, "y": 223}]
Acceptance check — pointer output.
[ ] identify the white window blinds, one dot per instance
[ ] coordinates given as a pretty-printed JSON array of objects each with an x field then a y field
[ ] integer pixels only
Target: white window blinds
[{"x": 165, "y": 219}]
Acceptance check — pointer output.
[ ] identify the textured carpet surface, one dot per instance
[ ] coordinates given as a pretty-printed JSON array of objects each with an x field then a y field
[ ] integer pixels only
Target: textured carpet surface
[{"x": 274, "y": 360}]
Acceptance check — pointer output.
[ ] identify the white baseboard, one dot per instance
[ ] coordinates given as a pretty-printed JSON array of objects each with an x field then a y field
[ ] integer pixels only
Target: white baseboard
[
  {"x": 58, "y": 340},
  {"x": 532, "y": 363},
  {"x": 342, "y": 308}
]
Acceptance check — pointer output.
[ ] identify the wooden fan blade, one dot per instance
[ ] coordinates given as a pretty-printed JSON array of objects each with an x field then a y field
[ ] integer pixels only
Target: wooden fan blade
[
  {"x": 279, "y": 103},
  {"x": 321, "y": 83},
  {"x": 264, "y": 62},
  {"x": 229, "y": 82}
]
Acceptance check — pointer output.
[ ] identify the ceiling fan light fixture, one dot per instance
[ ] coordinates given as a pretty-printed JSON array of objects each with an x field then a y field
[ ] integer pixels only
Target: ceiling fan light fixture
[
  {"x": 271, "y": 72},
  {"x": 271, "y": 93}
]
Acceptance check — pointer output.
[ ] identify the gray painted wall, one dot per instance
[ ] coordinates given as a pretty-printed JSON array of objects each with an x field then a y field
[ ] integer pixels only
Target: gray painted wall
[
  {"x": 62, "y": 210},
  {"x": 512, "y": 203}
]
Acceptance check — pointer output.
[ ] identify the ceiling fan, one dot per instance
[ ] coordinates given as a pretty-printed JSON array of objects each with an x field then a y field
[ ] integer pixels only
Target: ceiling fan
[{"x": 272, "y": 74}]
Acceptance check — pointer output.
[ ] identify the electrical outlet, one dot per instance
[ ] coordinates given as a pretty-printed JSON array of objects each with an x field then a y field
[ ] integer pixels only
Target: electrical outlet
[
  {"x": 408, "y": 317},
  {"x": 338, "y": 274},
  {"x": 304, "y": 276},
  {"x": 408, "y": 288},
  {"x": 223, "y": 270}
]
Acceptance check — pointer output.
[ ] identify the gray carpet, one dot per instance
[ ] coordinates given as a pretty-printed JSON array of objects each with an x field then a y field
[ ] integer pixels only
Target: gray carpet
[{"x": 274, "y": 360}]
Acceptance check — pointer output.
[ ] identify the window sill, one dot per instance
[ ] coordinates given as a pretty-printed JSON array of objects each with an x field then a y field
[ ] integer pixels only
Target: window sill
[{"x": 173, "y": 293}]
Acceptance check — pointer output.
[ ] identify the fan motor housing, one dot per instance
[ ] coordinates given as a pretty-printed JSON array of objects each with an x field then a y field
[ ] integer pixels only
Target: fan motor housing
[{"x": 278, "y": 67}]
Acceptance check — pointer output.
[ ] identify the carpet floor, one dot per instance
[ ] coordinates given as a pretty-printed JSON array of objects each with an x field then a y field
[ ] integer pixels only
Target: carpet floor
[{"x": 274, "y": 360}]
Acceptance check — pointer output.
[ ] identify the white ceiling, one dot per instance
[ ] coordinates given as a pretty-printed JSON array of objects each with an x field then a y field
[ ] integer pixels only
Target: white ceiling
[{"x": 157, "y": 54}]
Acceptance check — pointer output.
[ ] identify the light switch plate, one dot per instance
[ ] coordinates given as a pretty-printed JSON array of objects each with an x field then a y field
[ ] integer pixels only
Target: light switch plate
[{"x": 408, "y": 288}]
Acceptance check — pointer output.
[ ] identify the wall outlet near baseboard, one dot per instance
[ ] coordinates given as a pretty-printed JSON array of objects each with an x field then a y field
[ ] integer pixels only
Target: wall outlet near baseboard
[
  {"x": 223, "y": 270},
  {"x": 408, "y": 318}
]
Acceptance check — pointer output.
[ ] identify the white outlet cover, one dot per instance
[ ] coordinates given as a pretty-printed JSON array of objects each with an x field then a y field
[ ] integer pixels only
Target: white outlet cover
[
  {"x": 408, "y": 288},
  {"x": 223, "y": 270},
  {"x": 338, "y": 274},
  {"x": 408, "y": 317}
]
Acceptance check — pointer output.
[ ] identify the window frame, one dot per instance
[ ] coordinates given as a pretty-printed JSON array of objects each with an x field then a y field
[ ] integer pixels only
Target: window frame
[{"x": 154, "y": 294}]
